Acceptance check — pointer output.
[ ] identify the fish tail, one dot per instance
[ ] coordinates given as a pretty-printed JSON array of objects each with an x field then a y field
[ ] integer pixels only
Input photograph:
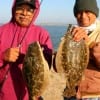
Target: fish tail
[{"x": 69, "y": 92}]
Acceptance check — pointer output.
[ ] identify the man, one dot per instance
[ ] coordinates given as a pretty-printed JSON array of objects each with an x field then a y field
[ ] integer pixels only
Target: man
[
  {"x": 88, "y": 28},
  {"x": 15, "y": 36}
]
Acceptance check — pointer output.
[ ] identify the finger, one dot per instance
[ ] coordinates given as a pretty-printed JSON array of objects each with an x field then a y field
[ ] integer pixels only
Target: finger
[
  {"x": 92, "y": 44},
  {"x": 78, "y": 31},
  {"x": 74, "y": 30},
  {"x": 96, "y": 48},
  {"x": 11, "y": 59},
  {"x": 79, "y": 37},
  {"x": 11, "y": 54},
  {"x": 42, "y": 49},
  {"x": 96, "y": 54},
  {"x": 17, "y": 49},
  {"x": 98, "y": 44}
]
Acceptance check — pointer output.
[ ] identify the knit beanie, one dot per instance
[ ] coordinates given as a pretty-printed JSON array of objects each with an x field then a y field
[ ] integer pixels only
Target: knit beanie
[
  {"x": 29, "y": 2},
  {"x": 86, "y": 5}
]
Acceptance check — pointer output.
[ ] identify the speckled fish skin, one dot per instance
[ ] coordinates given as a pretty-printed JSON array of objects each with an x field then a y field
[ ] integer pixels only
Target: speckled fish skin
[
  {"x": 72, "y": 59},
  {"x": 35, "y": 70}
]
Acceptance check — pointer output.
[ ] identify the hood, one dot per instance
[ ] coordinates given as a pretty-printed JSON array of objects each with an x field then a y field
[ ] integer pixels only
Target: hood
[{"x": 35, "y": 14}]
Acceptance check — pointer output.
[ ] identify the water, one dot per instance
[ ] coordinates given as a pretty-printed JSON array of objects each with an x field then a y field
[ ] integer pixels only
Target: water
[{"x": 56, "y": 33}]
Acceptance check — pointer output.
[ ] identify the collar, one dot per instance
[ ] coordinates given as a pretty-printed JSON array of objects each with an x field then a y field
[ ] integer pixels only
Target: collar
[{"x": 92, "y": 27}]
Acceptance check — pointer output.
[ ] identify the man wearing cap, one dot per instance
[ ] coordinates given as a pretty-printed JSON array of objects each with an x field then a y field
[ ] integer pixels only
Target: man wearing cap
[
  {"x": 88, "y": 28},
  {"x": 15, "y": 37}
]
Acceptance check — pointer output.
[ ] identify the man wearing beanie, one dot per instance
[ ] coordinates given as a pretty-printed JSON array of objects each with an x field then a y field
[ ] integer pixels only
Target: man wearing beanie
[{"x": 88, "y": 28}]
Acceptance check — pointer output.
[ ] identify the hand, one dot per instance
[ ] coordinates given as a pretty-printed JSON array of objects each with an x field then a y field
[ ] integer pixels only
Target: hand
[
  {"x": 96, "y": 53},
  {"x": 11, "y": 54},
  {"x": 79, "y": 33}
]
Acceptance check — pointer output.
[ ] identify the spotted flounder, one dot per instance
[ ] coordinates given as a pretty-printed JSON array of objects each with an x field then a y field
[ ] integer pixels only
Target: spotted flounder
[
  {"x": 35, "y": 70},
  {"x": 72, "y": 59}
]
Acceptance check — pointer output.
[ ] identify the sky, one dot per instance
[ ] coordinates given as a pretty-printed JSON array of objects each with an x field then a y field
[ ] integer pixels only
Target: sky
[{"x": 51, "y": 11}]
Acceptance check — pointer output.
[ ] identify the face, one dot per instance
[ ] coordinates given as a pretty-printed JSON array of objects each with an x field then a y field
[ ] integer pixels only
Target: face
[
  {"x": 23, "y": 15},
  {"x": 85, "y": 18}
]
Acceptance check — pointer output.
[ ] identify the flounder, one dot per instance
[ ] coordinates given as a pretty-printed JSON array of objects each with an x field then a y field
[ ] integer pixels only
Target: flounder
[
  {"x": 35, "y": 70},
  {"x": 72, "y": 59}
]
